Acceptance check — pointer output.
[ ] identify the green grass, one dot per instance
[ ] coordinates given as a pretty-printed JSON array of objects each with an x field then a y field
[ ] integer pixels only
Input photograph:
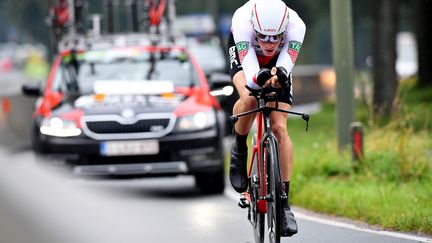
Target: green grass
[
  {"x": 404, "y": 207},
  {"x": 390, "y": 186}
]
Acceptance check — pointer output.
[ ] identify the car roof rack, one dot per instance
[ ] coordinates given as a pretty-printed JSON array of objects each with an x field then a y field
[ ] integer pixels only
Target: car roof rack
[
  {"x": 157, "y": 26},
  {"x": 83, "y": 42}
]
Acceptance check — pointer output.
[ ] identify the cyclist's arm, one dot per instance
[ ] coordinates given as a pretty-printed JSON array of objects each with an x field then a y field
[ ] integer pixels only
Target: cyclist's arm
[
  {"x": 243, "y": 35},
  {"x": 294, "y": 40}
]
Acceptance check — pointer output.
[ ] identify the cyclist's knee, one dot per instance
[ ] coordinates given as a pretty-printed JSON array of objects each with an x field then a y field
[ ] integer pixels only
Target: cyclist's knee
[
  {"x": 248, "y": 102},
  {"x": 280, "y": 131}
]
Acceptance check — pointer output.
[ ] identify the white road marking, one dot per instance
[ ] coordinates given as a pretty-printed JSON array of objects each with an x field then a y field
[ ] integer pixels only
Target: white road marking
[{"x": 235, "y": 196}]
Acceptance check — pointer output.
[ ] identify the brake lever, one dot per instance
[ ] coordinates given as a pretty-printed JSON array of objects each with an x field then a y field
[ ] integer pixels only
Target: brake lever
[
  {"x": 305, "y": 117},
  {"x": 234, "y": 119}
]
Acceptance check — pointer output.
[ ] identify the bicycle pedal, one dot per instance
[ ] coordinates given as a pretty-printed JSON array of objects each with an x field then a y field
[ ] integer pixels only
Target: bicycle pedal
[{"x": 243, "y": 203}]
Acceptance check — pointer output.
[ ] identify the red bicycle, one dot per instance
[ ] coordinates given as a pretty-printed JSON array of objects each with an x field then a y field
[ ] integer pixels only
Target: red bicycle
[
  {"x": 57, "y": 20},
  {"x": 263, "y": 196},
  {"x": 155, "y": 11}
]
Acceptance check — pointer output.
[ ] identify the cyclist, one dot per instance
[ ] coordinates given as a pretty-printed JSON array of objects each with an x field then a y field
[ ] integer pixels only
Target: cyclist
[{"x": 266, "y": 37}]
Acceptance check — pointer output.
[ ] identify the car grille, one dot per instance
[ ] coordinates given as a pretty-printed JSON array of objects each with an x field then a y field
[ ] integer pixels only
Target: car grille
[
  {"x": 108, "y": 127},
  {"x": 114, "y": 127}
]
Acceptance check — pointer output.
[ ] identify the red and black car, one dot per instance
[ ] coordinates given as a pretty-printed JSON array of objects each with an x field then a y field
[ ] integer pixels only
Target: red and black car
[{"x": 127, "y": 109}]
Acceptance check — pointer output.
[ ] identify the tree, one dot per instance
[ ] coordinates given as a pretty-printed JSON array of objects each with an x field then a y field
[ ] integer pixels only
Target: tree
[
  {"x": 385, "y": 15},
  {"x": 29, "y": 17},
  {"x": 423, "y": 18}
]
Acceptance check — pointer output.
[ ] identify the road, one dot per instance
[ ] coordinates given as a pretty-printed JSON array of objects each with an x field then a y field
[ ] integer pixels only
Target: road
[{"x": 40, "y": 203}]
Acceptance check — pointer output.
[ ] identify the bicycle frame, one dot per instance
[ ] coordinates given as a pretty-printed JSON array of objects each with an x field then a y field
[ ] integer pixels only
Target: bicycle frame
[
  {"x": 263, "y": 131},
  {"x": 155, "y": 10}
]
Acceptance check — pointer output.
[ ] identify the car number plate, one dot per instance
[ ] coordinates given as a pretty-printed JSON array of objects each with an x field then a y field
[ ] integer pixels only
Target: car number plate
[{"x": 119, "y": 148}]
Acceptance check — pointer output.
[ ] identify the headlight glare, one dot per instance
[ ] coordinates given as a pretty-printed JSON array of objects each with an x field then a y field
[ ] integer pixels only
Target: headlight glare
[
  {"x": 197, "y": 121},
  {"x": 56, "y": 123},
  {"x": 200, "y": 119},
  {"x": 58, "y": 127}
]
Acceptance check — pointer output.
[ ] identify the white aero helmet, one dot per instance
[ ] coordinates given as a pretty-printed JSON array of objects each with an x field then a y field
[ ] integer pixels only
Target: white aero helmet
[{"x": 270, "y": 17}]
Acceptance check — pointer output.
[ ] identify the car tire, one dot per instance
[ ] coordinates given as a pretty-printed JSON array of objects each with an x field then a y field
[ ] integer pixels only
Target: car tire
[
  {"x": 211, "y": 183},
  {"x": 37, "y": 145}
]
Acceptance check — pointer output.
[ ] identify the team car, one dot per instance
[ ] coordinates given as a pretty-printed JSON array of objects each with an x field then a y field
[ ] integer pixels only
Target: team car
[{"x": 131, "y": 109}]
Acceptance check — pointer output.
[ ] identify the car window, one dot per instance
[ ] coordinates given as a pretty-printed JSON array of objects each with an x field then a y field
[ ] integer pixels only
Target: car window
[
  {"x": 64, "y": 79},
  {"x": 178, "y": 71},
  {"x": 181, "y": 74}
]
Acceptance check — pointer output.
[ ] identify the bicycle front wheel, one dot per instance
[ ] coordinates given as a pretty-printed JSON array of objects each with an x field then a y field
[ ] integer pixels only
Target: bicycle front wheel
[
  {"x": 273, "y": 190},
  {"x": 257, "y": 218}
]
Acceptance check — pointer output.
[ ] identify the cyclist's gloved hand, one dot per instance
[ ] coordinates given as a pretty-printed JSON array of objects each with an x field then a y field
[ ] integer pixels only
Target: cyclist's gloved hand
[
  {"x": 262, "y": 76},
  {"x": 283, "y": 77}
]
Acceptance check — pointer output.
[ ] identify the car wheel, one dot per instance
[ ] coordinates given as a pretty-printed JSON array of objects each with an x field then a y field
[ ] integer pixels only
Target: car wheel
[
  {"x": 211, "y": 183},
  {"x": 37, "y": 145}
]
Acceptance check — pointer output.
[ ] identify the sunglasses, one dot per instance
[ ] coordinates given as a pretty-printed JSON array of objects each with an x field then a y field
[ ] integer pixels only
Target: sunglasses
[{"x": 269, "y": 38}]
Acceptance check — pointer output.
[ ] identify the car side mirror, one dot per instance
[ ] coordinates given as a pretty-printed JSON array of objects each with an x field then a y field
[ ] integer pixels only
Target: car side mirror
[
  {"x": 220, "y": 84},
  {"x": 32, "y": 90},
  {"x": 219, "y": 80}
]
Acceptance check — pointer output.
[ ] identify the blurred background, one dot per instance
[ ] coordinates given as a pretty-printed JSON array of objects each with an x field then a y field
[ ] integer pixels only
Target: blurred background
[
  {"x": 22, "y": 22},
  {"x": 27, "y": 43},
  {"x": 380, "y": 174}
]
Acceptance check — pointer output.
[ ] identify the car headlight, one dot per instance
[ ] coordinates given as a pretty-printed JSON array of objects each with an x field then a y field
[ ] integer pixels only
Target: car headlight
[
  {"x": 58, "y": 127},
  {"x": 198, "y": 121}
]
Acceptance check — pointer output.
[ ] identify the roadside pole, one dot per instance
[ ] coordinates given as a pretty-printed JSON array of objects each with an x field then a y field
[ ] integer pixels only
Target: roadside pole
[{"x": 342, "y": 45}]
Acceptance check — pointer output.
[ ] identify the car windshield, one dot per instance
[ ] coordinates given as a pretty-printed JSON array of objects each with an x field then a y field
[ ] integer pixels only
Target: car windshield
[{"x": 84, "y": 75}]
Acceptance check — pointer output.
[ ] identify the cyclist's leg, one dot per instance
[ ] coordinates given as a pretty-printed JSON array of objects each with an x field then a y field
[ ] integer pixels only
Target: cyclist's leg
[
  {"x": 238, "y": 173},
  {"x": 238, "y": 164},
  {"x": 279, "y": 128},
  {"x": 243, "y": 104}
]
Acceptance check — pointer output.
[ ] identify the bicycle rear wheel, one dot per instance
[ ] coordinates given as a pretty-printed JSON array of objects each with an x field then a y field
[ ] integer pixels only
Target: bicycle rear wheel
[
  {"x": 273, "y": 190},
  {"x": 257, "y": 218}
]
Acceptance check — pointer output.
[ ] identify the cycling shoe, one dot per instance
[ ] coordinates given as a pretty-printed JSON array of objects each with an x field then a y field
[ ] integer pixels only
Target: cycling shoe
[
  {"x": 288, "y": 224},
  {"x": 238, "y": 174}
]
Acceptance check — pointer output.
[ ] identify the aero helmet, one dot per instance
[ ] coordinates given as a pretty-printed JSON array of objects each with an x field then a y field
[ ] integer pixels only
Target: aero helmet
[{"x": 269, "y": 17}]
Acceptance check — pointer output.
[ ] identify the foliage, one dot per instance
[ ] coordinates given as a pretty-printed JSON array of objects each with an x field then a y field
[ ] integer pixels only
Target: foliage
[{"x": 29, "y": 15}]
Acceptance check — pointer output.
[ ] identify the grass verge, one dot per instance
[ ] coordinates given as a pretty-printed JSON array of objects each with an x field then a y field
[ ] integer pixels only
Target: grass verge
[{"x": 391, "y": 185}]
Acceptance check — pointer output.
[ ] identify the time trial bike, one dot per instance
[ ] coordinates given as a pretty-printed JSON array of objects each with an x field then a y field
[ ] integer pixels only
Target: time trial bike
[{"x": 264, "y": 193}]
